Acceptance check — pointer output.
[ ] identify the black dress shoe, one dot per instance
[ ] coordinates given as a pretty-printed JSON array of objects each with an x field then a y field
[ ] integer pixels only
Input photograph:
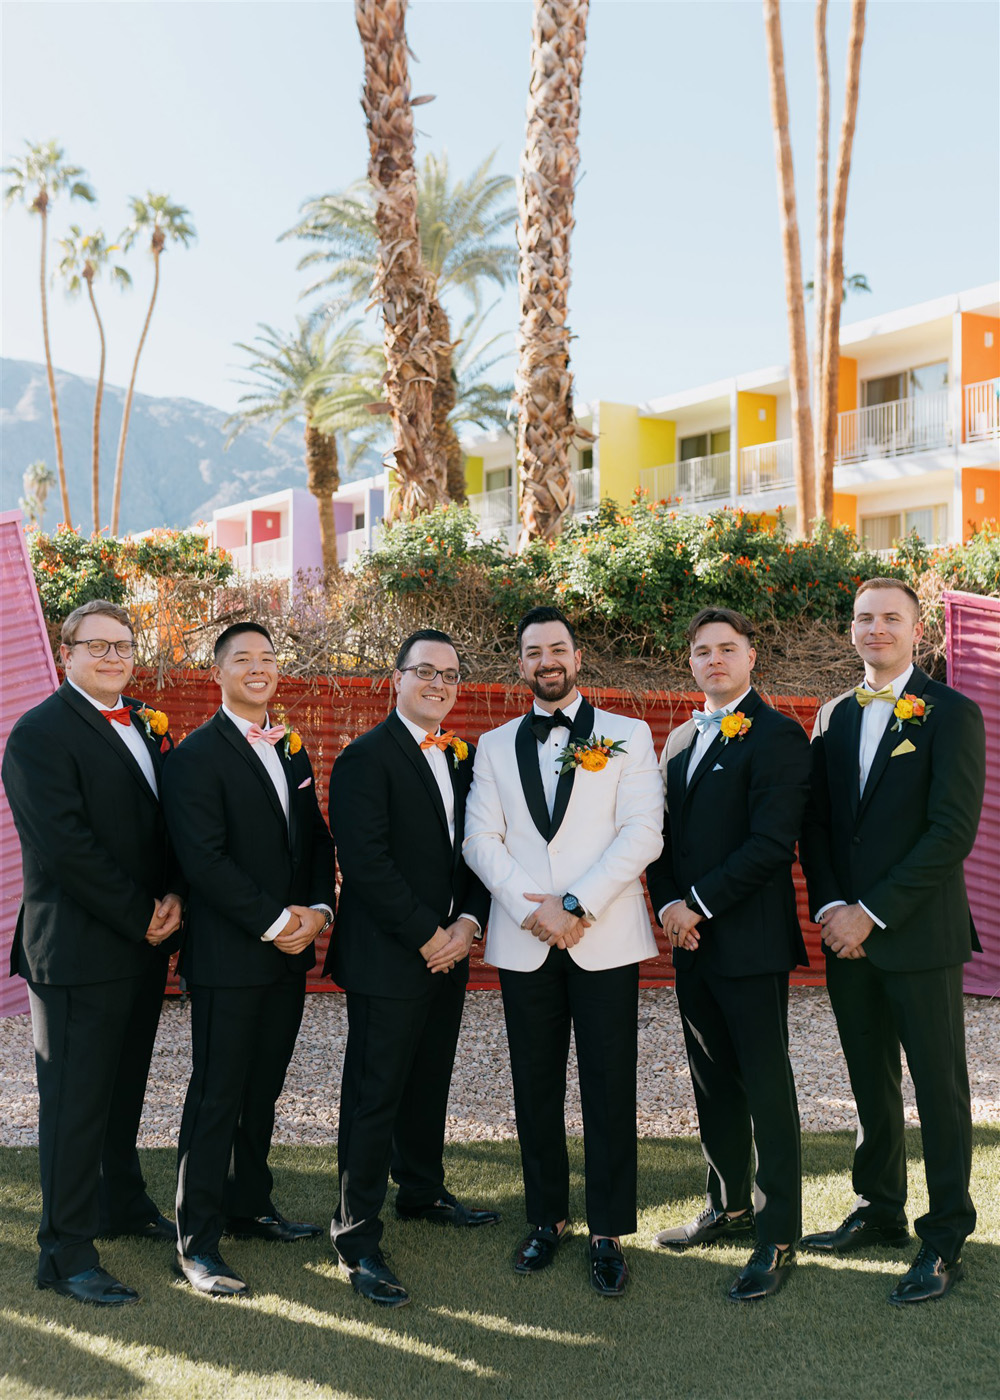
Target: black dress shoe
[
  {"x": 209, "y": 1273},
  {"x": 854, "y": 1233},
  {"x": 929, "y": 1277},
  {"x": 159, "y": 1229},
  {"x": 764, "y": 1273},
  {"x": 711, "y": 1227},
  {"x": 271, "y": 1227},
  {"x": 445, "y": 1212},
  {"x": 537, "y": 1250},
  {"x": 94, "y": 1286},
  {"x": 373, "y": 1279},
  {"x": 608, "y": 1270}
]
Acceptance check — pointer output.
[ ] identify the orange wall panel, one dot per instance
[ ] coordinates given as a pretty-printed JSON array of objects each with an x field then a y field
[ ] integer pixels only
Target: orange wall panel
[
  {"x": 845, "y": 509},
  {"x": 847, "y": 385},
  {"x": 979, "y": 360},
  {"x": 976, "y": 481}
]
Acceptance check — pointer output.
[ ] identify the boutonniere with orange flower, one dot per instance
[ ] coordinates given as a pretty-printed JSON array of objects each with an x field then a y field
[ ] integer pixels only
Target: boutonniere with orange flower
[
  {"x": 589, "y": 754},
  {"x": 910, "y": 709},
  {"x": 459, "y": 750},
  {"x": 156, "y": 724},
  {"x": 735, "y": 726},
  {"x": 292, "y": 742}
]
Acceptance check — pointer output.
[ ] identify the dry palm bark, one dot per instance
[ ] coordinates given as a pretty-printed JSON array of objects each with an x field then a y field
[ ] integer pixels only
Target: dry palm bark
[
  {"x": 402, "y": 286},
  {"x": 446, "y": 444},
  {"x": 322, "y": 479},
  {"x": 835, "y": 269},
  {"x": 41, "y": 206},
  {"x": 544, "y": 385},
  {"x": 802, "y": 431},
  {"x": 822, "y": 223}
]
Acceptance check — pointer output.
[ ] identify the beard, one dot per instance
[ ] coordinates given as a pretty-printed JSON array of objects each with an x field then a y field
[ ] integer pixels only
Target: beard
[{"x": 553, "y": 687}]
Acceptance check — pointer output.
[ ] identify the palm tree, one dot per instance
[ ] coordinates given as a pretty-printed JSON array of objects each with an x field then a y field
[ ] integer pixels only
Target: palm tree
[
  {"x": 83, "y": 257},
  {"x": 37, "y": 481},
  {"x": 802, "y": 430},
  {"x": 402, "y": 287},
  {"x": 38, "y": 177},
  {"x": 835, "y": 268},
  {"x": 324, "y": 377},
  {"x": 822, "y": 215},
  {"x": 462, "y": 245},
  {"x": 165, "y": 222},
  {"x": 544, "y": 385},
  {"x": 479, "y": 401}
]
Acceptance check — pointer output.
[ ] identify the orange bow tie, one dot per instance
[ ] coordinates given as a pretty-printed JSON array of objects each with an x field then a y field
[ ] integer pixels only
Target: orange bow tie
[
  {"x": 122, "y": 716},
  {"x": 436, "y": 741}
]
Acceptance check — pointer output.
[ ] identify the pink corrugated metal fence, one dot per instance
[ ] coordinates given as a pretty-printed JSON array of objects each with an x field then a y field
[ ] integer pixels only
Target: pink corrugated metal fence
[{"x": 973, "y": 632}]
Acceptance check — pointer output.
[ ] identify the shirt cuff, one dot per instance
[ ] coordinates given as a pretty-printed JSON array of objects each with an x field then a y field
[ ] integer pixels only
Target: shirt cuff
[
  {"x": 270, "y": 934},
  {"x": 833, "y": 904},
  {"x": 704, "y": 909},
  {"x": 325, "y": 908},
  {"x": 874, "y": 917},
  {"x": 477, "y": 936},
  {"x": 667, "y": 906}
]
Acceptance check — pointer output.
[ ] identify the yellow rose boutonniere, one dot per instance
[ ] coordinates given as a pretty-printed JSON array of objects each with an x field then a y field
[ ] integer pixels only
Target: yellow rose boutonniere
[
  {"x": 591, "y": 755},
  {"x": 910, "y": 709},
  {"x": 459, "y": 750},
  {"x": 735, "y": 726}
]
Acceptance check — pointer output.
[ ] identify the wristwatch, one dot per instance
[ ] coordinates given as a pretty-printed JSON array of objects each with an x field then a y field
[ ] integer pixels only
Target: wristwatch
[
  {"x": 573, "y": 906},
  {"x": 692, "y": 903},
  {"x": 327, "y": 922}
]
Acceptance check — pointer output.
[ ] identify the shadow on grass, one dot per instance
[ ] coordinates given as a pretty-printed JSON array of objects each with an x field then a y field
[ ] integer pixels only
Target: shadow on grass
[{"x": 475, "y": 1328}]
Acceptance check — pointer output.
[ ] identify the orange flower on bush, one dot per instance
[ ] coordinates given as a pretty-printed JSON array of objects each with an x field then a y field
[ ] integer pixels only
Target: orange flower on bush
[{"x": 735, "y": 726}]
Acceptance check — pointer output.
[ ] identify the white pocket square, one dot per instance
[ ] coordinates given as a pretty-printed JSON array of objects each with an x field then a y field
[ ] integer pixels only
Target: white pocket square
[
  {"x": 305, "y": 783},
  {"x": 717, "y": 768},
  {"x": 904, "y": 747}
]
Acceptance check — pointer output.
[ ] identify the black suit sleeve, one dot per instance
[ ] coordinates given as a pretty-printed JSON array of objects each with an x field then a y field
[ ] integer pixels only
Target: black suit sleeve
[
  {"x": 359, "y": 820},
  {"x": 194, "y": 804},
  {"x": 778, "y": 789},
  {"x": 322, "y": 871},
  {"x": 45, "y": 789},
  {"x": 816, "y": 845},
  {"x": 660, "y": 879}
]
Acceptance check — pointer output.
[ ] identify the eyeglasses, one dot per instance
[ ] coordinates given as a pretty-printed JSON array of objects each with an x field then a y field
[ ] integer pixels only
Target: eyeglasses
[
  {"x": 97, "y": 647},
  {"x": 430, "y": 673}
]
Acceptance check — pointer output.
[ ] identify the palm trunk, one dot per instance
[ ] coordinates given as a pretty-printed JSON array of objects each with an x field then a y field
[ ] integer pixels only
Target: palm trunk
[
  {"x": 544, "y": 384},
  {"x": 41, "y": 204},
  {"x": 402, "y": 285},
  {"x": 802, "y": 432},
  {"x": 446, "y": 443},
  {"x": 95, "y": 469},
  {"x": 157, "y": 248},
  {"x": 822, "y": 223},
  {"x": 835, "y": 270},
  {"x": 322, "y": 479}
]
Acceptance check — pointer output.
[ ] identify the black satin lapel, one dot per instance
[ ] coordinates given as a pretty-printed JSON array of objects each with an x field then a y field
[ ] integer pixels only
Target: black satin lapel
[
  {"x": 409, "y": 746},
  {"x": 102, "y": 726},
  {"x": 526, "y": 751},
  {"x": 459, "y": 790},
  {"x": 244, "y": 748},
  {"x": 708, "y": 760},
  {"x": 848, "y": 750},
  {"x": 583, "y": 728},
  {"x": 677, "y": 774},
  {"x": 286, "y": 765}
]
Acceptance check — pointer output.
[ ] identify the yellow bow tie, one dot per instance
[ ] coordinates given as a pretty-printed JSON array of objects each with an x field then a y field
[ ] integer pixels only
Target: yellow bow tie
[{"x": 865, "y": 697}]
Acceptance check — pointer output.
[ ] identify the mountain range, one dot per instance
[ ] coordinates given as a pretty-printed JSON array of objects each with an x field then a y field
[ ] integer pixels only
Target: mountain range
[{"x": 176, "y": 469}]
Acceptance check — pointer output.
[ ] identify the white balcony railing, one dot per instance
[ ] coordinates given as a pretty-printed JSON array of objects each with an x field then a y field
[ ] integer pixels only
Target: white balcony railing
[
  {"x": 700, "y": 479},
  {"x": 982, "y": 411},
  {"x": 895, "y": 429},
  {"x": 353, "y": 543},
  {"x": 494, "y": 509},
  {"x": 273, "y": 556},
  {"x": 585, "y": 484},
  {"x": 766, "y": 467}
]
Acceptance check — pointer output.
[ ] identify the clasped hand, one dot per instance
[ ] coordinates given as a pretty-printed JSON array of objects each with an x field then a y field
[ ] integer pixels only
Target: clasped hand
[
  {"x": 301, "y": 929},
  {"x": 166, "y": 919},
  {"x": 448, "y": 946},
  {"x": 681, "y": 925},
  {"x": 552, "y": 924},
  {"x": 845, "y": 928}
]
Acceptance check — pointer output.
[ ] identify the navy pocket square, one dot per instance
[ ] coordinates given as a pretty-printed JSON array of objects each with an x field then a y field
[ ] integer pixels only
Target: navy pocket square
[{"x": 305, "y": 783}]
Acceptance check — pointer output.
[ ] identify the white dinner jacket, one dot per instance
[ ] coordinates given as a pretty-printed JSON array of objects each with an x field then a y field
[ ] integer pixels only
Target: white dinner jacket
[{"x": 605, "y": 829}]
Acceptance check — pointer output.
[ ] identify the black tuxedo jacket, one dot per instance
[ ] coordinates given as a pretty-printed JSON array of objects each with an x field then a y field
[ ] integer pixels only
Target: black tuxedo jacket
[
  {"x": 244, "y": 862},
  {"x": 898, "y": 848},
  {"x": 731, "y": 832},
  {"x": 94, "y": 849},
  {"x": 401, "y": 875}
]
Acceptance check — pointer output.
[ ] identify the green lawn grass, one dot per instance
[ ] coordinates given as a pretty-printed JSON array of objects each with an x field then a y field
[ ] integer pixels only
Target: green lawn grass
[{"x": 476, "y": 1329}]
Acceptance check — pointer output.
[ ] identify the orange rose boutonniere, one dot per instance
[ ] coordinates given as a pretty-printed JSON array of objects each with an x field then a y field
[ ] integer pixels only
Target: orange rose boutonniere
[
  {"x": 293, "y": 741},
  {"x": 591, "y": 754},
  {"x": 459, "y": 750},
  {"x": 910, "y": 709},
  {"x": 735, "y": 726}
]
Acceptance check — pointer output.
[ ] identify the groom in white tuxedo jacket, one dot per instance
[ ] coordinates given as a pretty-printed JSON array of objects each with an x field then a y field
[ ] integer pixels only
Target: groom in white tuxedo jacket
[{"x": 564, "y": 814}]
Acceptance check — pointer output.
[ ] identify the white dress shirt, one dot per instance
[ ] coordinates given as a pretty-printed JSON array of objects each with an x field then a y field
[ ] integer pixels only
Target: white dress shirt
[
  {"x": 275, "y": 771},
  {"x": 127, "y": 733},
  {"x": 875, "y": 719},
  {"x": 551, "y": 751}
]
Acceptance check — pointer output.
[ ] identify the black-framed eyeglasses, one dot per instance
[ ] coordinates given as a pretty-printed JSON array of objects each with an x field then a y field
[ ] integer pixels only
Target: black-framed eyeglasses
[
  {"x": 98, "y": 647},
  {"x": 426, "y": 672}
]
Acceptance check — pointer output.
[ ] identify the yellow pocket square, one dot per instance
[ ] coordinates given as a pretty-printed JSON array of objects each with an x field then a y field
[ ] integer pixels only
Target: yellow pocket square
[{"x": 904, "y": 747}]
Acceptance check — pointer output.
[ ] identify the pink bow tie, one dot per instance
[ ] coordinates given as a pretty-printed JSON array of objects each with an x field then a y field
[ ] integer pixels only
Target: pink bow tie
[{"x": 270, "y": 736}]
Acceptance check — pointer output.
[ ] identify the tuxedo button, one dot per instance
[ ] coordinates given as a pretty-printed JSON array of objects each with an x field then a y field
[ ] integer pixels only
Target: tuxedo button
[{"x": 855, "y": 840}]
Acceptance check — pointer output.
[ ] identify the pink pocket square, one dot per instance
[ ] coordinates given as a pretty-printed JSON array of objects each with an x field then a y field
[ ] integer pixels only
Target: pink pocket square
[{"x": 305, "y": 783}]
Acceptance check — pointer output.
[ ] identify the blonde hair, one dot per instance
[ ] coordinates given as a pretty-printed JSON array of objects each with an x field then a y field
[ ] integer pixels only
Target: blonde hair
[{"x": 97, "y": 607}]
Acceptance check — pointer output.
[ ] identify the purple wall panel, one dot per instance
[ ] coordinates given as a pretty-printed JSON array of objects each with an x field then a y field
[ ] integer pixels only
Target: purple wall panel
[{"x": 973, "y": 631}]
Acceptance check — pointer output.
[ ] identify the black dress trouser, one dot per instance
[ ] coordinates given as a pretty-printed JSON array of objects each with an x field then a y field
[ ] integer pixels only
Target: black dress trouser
[
  {"x": 602, "y": 1008},
  {"x": 93, "y": 1045},
  {"x": 242, "y": 1039},
  {"x": 393, "y": 1107}
]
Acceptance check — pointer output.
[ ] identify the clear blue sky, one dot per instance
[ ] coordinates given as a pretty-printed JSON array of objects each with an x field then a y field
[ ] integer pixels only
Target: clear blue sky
[{"x": 240, "y": 111}]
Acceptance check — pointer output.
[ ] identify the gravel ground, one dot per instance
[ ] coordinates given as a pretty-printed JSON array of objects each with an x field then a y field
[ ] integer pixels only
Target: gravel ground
[{"x": 481, "y": 1098}]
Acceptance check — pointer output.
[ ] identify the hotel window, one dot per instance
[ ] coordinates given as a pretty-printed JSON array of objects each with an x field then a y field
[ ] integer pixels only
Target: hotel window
[
  {"x": 359, "y": 520},
  {"x": 908, "y": 384},
  {"x": 704, "y": 444},
  {"x": 496, "y": 479},
  {"x": 882, "y": 531}
]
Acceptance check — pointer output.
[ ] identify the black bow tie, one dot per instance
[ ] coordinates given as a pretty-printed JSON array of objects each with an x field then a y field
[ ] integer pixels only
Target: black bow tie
[{"x": 543, "y": 725}]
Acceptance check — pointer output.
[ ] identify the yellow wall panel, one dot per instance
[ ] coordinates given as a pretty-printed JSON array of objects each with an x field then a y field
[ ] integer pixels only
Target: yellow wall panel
[
  {"x": 657, "y": 442},
  {"x": 474, "y": 475},
  {"x": 618, "y": 450},
  {"x": 753, "y": 428}
]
